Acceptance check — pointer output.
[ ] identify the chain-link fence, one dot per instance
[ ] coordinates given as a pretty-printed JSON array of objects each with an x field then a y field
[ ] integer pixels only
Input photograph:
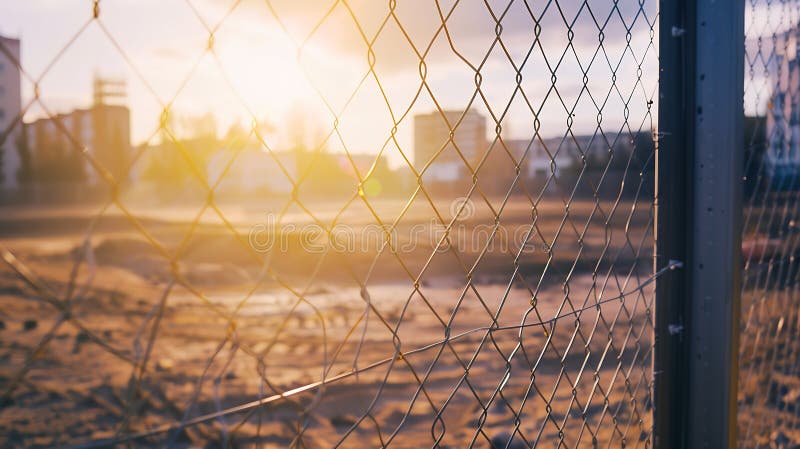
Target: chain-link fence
[
  {"x": 404, "y": 224},
  {"x": 768, "y": 387}
]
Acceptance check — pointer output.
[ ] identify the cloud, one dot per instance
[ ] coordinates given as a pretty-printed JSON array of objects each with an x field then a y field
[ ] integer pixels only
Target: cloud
[{"x": 470, "y": 27}]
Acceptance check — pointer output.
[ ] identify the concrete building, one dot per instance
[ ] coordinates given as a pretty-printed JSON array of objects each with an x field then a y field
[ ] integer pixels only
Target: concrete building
[
  {"x": 103, "y": 130},
  {"x": 432, "y": 140},
  {"x": 558, "y": 155},
  {"x": 10, "y": 107},
  {"x": 497, "y": 172},
  {"x": 55, "y": 143},
  {"x": 537, "y": 162}
]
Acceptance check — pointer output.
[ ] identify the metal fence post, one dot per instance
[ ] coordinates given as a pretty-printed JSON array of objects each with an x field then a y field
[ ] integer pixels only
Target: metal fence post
[
  {"x": 699, "y": 166},
  {"x": 672, "y": 154}
]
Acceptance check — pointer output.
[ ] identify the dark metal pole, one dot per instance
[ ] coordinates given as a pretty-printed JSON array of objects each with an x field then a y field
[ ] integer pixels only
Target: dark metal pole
[
  {"x": 672, "y": 217},
  {"x": 699, "y": 222},
  {"x": 716, "y": 242}
]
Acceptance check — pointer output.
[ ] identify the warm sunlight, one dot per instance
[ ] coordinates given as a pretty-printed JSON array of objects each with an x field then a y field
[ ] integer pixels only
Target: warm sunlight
[{"x": 399, "y": 224}]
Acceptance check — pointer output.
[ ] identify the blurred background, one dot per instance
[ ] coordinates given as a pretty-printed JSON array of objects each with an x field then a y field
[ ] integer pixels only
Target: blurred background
[{"x": 178, "y": 178}]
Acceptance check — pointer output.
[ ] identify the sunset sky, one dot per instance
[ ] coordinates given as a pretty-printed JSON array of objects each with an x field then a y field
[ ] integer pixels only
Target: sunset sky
[{"x": 256, "y": 68}]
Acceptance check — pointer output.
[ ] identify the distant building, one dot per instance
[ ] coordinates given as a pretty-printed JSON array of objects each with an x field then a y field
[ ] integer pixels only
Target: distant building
[
  {"x": 782, "y": 156},
  {"x": 102, "y": 130},
  {"x": 507, "y": 166},
  {"x": 538, "y": 162},
  {"x": 432, "y": 140},
  {"x": 557, "y": 155},
  {"x": 10, "y": 107}
]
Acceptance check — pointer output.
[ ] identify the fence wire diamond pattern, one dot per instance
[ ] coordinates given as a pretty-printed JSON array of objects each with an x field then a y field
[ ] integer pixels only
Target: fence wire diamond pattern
[
  {"x": 502, "y": 296},
  {"x": 768, "y": 340}
]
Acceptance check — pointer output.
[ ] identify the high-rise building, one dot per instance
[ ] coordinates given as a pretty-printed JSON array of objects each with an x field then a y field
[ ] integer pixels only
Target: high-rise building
[
  {"x": 438, "y": 154},
  {"x": 10, "y": 107}
]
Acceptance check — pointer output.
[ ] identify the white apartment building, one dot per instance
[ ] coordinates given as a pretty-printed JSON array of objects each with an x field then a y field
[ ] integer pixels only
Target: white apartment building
[{"x": 10, "y": 107}]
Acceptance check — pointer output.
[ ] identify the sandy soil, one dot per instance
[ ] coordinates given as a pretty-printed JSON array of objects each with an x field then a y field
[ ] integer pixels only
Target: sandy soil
[{"x": 158, "y": 328}]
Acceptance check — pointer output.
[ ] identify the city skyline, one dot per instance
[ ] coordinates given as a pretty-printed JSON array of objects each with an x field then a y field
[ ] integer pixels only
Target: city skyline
[{"x": 249, "y": 84}]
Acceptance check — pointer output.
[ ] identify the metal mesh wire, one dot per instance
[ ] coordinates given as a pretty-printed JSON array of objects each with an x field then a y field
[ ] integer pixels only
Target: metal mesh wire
[
  {"x": 166, "y": 322},
  {"x": 768, "y": 344}
]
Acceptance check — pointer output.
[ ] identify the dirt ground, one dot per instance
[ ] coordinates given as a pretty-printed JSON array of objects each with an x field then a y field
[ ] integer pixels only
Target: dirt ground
[{"x": 154, "y": 328}]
